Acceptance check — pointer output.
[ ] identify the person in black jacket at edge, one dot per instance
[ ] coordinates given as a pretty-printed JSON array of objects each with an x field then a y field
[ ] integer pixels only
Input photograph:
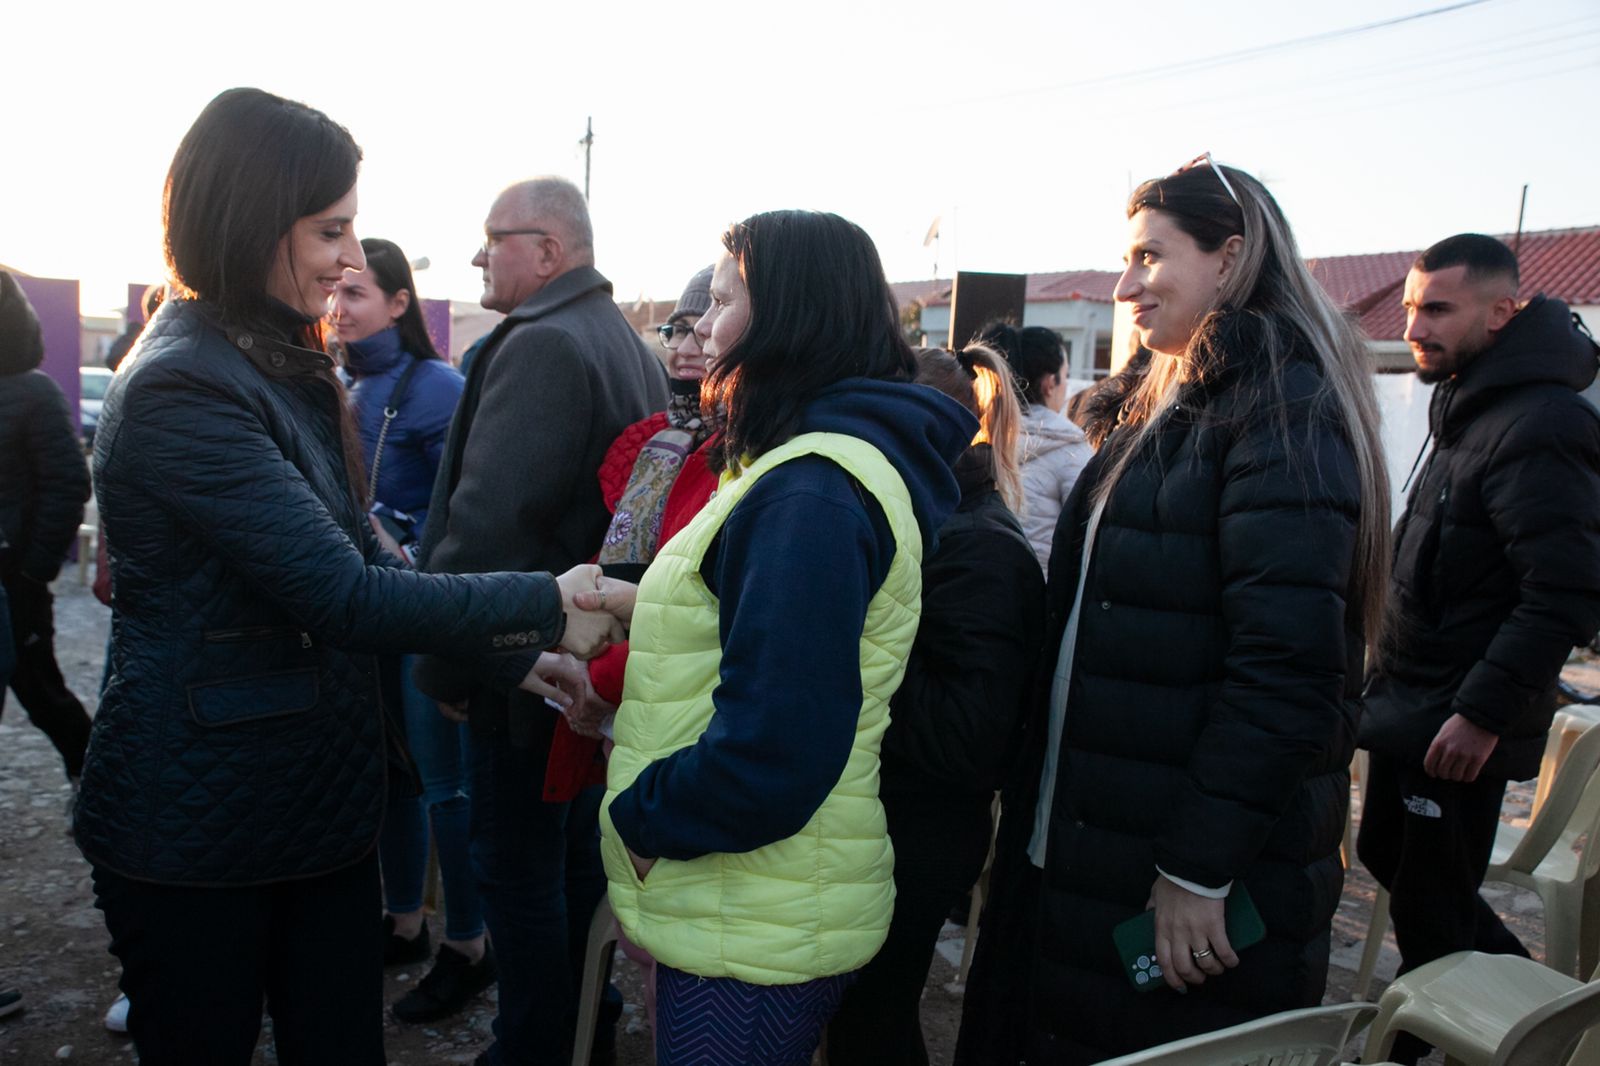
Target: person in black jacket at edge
[
  {"x": 43, "y": 485},
  {"x": 955, "y": 714},
  {"x": 1496, "y": 578},
  {"x": 1212, "y": 582},
  {"x": 236, "y": 770}
]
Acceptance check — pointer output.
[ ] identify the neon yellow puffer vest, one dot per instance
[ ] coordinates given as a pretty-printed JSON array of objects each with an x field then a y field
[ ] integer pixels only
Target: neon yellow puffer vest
[{"x": 819, "y": 902}]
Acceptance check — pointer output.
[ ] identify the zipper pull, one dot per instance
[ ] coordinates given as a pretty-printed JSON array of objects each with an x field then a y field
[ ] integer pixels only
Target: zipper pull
[{"x": 305, "y": 639}]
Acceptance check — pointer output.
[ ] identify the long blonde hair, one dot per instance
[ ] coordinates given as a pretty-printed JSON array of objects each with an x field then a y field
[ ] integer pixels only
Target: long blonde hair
[
  {"x": 1270, "y": 282},
  {"x": 978, "y": 378}
]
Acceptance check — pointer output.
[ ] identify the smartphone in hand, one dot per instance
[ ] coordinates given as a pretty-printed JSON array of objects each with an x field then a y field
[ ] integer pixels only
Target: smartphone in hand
[{"x": 1136, "y": 938}]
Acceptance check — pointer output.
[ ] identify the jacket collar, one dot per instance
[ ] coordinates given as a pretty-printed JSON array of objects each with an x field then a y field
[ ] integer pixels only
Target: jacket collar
[
  {"x": 560, "y": 291},
  {"x": 376, "y": 354},
  {"x": 277, "y": 358}
]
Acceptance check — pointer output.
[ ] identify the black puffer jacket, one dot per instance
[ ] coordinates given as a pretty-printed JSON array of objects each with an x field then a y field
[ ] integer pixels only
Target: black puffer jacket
[
  {"x": 954, "y": 717},
  {"x": 240, "y": 739},
  {"x": 1497, "y": 558},
  {"x": 43, "y": 478},
  {"x": 1209, "y": 728}
]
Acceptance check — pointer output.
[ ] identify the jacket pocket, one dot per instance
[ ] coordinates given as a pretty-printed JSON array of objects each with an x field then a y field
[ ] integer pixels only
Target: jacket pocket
[
  {"x": 251, "y": 699},
  {"x": 260, "y": 672}
]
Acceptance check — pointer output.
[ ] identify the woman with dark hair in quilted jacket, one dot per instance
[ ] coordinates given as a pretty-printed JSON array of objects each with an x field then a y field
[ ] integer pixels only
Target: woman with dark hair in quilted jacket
[{"x": 237, "y": 768}]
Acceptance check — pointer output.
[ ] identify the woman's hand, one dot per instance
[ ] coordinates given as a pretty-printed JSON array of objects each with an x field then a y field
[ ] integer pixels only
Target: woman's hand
[
  {"x": 642, "y": 867},
  {"x": 589, "y": 632},
  {"x": 554, "y": 676},
  {"x": 615, "y": 597},
  {"x": 1191, "y": 935},
  {"x": 386, "y": 540},
  {"x": 588, "y": 710}
]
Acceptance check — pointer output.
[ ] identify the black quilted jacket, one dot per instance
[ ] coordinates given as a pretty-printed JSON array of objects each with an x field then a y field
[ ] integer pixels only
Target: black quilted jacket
[
  {"x": 1210, "y": 724},
  {"x": 240, "y": 739}
]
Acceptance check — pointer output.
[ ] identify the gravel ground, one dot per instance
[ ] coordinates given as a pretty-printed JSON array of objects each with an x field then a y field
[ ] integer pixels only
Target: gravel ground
[{"x": 53, "y": 943}]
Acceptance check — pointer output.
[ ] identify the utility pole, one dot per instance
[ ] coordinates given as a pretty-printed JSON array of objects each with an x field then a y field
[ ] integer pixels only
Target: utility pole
[
  {"x": 588, "y": 148},
  {"x": 1516, "y": 246}
]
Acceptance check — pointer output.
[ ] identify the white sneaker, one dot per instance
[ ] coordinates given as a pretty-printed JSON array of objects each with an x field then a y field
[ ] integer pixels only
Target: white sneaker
[{"x": 117, "y": 1015}]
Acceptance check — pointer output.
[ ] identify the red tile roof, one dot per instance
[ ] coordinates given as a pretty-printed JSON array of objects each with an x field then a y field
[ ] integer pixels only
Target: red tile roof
[
  {"x": 1562, "y": 263},
  {"x": 1055, "y": 287},
  {"x": 1353, "y": 279},
  {"x": 925, "y": 292}
]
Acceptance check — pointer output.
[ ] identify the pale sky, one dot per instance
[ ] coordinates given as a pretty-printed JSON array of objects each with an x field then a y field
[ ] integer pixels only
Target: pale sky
[{"x": 1022, "y": 124}]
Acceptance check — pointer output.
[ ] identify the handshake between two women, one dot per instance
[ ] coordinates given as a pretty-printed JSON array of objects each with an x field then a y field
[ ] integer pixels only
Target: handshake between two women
[{"x": 598, "y": 610}]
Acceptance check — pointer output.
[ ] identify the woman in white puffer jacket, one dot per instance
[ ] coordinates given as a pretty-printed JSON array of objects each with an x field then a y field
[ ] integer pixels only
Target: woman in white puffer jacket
[{"x": 1053, "y": 449}]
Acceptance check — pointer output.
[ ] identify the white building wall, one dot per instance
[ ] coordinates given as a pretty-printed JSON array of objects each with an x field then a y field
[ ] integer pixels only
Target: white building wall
[{"x": 1080, "y": 322}]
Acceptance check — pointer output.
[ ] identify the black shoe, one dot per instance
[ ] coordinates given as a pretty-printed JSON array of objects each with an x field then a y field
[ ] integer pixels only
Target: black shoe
[
  {"x": 398, "y": 950},
  {"x": 10, "y": 1002},
  {"x": 447, "y": 987}
]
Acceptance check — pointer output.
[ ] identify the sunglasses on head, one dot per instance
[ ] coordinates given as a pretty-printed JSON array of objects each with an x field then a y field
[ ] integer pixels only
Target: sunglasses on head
[{"x": 1205, "y": 157}]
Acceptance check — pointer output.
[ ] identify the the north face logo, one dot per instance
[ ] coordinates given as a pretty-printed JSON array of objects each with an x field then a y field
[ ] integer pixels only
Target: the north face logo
[{"x": 1423, "y": 807}]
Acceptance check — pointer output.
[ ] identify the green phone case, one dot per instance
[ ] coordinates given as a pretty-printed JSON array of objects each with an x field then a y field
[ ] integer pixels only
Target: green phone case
[{"x": 1136, "y": 938}]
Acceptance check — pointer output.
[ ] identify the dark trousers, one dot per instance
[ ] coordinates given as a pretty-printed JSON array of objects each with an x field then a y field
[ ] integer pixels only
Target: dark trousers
[
  {"x": 939, "y": 848},
  {"x": 1428, "y": 842},
  {"x": 539, "y": 873},
  {"x": 36, "y": 679},
  {"x": 198, "y": 964}
]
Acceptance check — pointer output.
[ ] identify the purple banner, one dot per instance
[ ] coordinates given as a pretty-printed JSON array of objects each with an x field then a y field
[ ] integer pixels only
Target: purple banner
[
  {"x": 436, "y": 314},
  {"x": 55, "y": 301}
]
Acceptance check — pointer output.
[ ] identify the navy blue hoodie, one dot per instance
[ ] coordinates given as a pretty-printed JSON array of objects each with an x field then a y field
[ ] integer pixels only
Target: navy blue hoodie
[{"x": 794, "y": 568}]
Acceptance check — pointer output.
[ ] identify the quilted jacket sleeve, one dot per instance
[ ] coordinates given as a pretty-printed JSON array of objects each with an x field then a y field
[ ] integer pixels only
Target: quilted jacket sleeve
[
  {"x": 1286, "y": 533},
  {"x": 1542, "y": 492},
  {"x": 214, "y": 467},
  {"x": 60, "y": 476}
]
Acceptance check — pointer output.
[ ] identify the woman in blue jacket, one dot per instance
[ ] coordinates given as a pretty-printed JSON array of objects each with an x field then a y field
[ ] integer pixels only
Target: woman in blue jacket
[{"x": 237, "y": 767}]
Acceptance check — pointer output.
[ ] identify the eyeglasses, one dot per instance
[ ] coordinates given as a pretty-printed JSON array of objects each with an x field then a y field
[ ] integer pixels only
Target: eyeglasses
[
  {"x": 673, "y": 334},
  {"x": 1205, "y": 157},
  {"x": 492, "y": 236}
]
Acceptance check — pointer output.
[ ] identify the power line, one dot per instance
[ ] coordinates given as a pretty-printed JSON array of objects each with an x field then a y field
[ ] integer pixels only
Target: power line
[
  {"x": 1392, "y": 82},
  {"x": 1226, "y": 58},
  {"x": 1305, "y": 110}
]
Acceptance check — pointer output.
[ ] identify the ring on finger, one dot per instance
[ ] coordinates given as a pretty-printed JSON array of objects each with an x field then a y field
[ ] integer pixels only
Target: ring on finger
[{"x": 1203, "y": 953}]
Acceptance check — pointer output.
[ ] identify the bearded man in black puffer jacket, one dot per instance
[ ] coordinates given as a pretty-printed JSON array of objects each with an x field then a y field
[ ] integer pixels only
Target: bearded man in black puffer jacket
[
  {"x": 1496, "y": 577},
  {"x": 43, "y": 485}
]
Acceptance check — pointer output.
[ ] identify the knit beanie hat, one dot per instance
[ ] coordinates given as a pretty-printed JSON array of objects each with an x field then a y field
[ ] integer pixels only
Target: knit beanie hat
[{"x": 696, "y": 298}]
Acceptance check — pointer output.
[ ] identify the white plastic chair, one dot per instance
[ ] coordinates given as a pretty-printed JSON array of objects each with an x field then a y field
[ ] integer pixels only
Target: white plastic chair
[
  {"x": 1360, "y": 769},
  {"x": 602, "y": 943},
  {"x": 1555, "y": 856},
  {"x": 1315, "y": 1036},
  {"x": 1491, "y": 1010},
  {"x": 980, "y": 890},
  {"x": 1569, "y": 724}
]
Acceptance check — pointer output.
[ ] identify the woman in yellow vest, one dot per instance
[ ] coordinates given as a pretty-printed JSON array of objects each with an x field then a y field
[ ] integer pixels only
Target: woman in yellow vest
[{"x": 744, "y": 841}]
